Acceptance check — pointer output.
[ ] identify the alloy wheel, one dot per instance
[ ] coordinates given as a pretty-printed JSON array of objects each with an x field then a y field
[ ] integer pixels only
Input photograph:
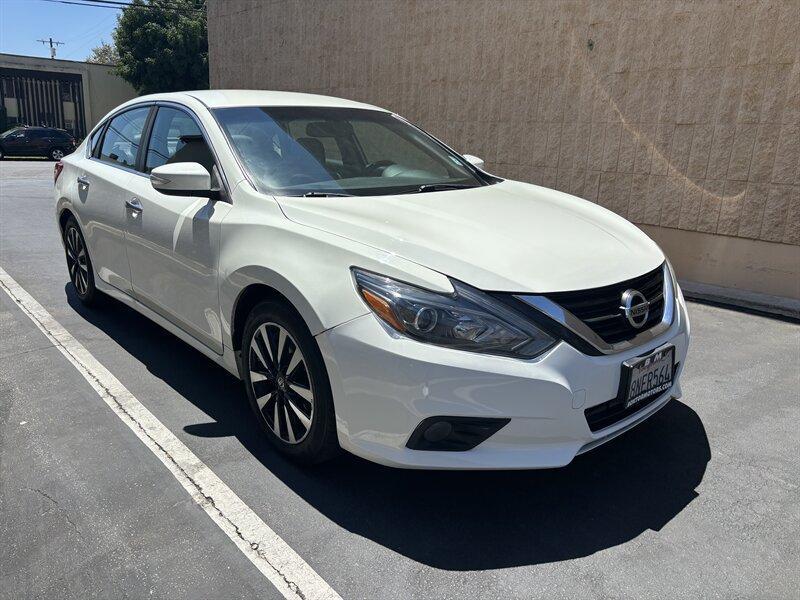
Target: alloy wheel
[
  {"x": 76, "y": 261},
  {"x": 281, "y": 383},
  {"x": 56, "y": 154}
]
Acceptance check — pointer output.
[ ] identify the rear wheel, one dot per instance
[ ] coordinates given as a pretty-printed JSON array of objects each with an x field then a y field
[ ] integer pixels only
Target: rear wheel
[
  {"x": 78, "y": 263},
  {"x": 287, "y": 384},
  {"x": 56, "y": 154}
]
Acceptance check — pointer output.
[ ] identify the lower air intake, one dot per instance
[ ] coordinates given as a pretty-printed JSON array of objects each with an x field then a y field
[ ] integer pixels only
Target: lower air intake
[{"x": 453, "y": 434}]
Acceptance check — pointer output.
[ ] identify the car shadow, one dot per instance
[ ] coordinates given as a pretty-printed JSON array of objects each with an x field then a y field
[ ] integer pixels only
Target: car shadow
[{"x": 445, "y": 519}]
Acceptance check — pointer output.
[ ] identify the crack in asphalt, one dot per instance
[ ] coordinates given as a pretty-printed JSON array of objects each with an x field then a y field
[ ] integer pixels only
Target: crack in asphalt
[
  {"x": 58, "y": 507},
  {"x": 23, "y": 352}
]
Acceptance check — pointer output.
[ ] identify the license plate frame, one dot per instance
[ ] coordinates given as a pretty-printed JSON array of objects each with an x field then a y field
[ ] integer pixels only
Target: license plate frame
[{"x": 643, "y": 366}]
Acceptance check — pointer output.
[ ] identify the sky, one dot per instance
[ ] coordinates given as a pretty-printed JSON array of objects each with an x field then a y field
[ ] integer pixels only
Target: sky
[{"x": 81, "y": 28}]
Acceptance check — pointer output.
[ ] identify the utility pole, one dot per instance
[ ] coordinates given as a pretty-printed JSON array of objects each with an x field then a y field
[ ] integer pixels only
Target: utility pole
[{"x": 53, "y": 45}]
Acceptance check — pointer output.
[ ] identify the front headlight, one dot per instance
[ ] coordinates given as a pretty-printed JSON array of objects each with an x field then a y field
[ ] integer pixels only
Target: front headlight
[{"x": 467, "y": 320}]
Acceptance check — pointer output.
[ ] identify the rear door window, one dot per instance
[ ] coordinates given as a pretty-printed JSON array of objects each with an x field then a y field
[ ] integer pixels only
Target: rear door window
[{"x": 123, "y": 137}]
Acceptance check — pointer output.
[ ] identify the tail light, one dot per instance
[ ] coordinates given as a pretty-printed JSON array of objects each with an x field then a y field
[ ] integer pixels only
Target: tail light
[{"x": 59, "y": 166}]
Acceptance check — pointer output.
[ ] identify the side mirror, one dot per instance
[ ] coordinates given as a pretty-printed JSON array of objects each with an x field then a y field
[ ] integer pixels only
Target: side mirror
[
  {"x": 183, "y": 179},
  {"x": 474, "y": 161}
]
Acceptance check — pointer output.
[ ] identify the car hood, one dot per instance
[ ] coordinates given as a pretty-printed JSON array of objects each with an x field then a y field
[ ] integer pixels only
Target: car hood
[{"x": 510, "y": 236}]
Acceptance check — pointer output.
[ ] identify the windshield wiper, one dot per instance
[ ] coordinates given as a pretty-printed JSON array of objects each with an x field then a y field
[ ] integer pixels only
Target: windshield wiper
[
  {"x": 436, "y": 187},
  {"x": 324, "y": 194}
]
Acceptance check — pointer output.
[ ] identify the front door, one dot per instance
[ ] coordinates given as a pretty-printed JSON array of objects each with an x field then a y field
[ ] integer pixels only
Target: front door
[
  {"x": 103, "y": 181},
  {"x": 16, "y": 143},
  {"x": 173, "y": 241}
]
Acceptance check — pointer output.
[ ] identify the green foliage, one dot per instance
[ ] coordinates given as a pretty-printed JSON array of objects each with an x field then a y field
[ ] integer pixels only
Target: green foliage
[
  {"x": 105, "y": 53},
  {"x": 163, "y": 45}
]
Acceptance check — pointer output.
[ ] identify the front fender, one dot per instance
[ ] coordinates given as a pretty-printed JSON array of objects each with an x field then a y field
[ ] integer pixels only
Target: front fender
[
  {"x": 308, "y": 266},
  {"x": 237, "y": 282}
]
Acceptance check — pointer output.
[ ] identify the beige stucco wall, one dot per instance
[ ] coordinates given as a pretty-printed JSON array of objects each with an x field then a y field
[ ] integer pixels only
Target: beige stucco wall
[
  {"x": 102, "y": 89},
  {"x": 732, "y": 262},
  {"x": 678, "y": 115}
]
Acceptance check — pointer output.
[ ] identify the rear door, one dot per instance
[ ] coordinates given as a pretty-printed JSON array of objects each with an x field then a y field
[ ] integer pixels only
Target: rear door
[
  {"x": 47, "y": 140},
  {"x": 39, "y": 142},
  {"x": 173, "y": 241},
  {"x": 103, "y": 184}
]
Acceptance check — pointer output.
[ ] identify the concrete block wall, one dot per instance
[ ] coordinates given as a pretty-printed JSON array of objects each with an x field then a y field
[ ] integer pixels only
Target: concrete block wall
[{"x": 677, "y": 114}]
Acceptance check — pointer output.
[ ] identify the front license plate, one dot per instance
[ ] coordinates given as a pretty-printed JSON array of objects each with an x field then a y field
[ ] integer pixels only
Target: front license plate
[{"x": 650, "y": 376}]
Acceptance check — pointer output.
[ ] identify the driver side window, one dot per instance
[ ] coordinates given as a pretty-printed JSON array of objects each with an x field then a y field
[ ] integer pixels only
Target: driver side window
[{"x": 175, "y": 138}]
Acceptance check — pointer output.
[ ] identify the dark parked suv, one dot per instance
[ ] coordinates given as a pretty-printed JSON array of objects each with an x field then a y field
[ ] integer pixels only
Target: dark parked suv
[{"x": 36, "y": 141}]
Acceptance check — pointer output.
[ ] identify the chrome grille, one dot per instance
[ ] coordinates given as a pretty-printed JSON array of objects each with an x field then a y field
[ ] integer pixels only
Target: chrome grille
[{"x": 599, "y": 308}]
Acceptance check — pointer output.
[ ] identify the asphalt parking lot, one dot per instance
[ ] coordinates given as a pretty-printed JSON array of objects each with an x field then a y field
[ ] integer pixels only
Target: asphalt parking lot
[{"x": 700, "y": 501}]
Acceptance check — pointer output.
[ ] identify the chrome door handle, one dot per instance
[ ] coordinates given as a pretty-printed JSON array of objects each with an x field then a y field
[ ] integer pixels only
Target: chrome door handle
[
  {"x": 134, "y": 204},
  {"x": 83, "y": 180}
]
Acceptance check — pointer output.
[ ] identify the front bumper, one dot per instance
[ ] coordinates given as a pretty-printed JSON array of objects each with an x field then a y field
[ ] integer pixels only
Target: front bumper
[{"x": 384, "y": 385}]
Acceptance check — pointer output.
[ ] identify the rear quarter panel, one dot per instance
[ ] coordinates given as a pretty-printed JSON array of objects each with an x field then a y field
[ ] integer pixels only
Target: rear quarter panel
[{"x": 65, "y": 189}]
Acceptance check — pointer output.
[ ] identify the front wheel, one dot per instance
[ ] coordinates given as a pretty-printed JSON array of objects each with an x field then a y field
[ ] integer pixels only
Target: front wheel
[
  {"x": 79, "y": 264},
  {"x": 287, "y": 384}
]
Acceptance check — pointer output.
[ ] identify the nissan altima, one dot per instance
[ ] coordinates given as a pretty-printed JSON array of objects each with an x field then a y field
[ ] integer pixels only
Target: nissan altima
[{"x": 374, "y": 290}]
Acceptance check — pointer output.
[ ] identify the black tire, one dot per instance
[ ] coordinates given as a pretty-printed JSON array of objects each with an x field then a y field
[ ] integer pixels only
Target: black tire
[
  {"x": 275, "y": 392},
  {"x": 56, "y": 153},
  {"x": 79, "y": 265}
]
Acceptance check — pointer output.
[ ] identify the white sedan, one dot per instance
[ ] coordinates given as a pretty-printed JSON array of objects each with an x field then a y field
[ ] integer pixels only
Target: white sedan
[{"x": 374, "y": 290}]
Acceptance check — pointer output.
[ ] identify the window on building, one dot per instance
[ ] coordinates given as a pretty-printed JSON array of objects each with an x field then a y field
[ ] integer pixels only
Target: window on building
[{"x": 12, "y": 112}]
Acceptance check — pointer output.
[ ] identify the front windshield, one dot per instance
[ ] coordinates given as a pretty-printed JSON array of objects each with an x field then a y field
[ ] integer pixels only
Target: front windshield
[{"x": 296, "y": 151}]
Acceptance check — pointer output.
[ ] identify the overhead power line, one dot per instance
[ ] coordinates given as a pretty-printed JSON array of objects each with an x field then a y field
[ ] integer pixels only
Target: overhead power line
[
  {"x": 161, "y": 4},
  {"x": 88, "y": 38},
  {"x": 125, "y": 6}
]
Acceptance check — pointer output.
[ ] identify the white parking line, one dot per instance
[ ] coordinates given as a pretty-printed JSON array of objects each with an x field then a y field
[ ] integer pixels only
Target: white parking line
[{"x": 276, "y": 560}]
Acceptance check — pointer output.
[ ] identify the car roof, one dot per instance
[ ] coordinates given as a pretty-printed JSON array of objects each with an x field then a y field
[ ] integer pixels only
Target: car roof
[
  {"x": 233, "y": 98},
  {"x": 39, "y": 128}
]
